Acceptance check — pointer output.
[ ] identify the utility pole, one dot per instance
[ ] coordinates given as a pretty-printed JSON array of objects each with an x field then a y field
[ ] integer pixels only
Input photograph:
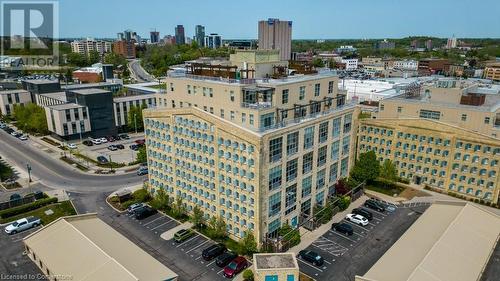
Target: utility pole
[
  {"x": 28, "y": 166},
  {"x": 135, "y": 122}
]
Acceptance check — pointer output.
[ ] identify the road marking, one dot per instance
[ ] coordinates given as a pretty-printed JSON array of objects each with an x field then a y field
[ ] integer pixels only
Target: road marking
[
  {"x": 220, "y": 271},
  {"x": 342, "y": 236},
  {"x": 210, "y": 263},
  {"x": 376, "y": 218},
  {"x": 355, "y": 233},
  {"x": 160, "y": 225},
  {"x": 153, "y": 220},
  {"x": 197, "y": 246},
  {"x": 306, "y": 263},
  {"x": 327, "y": 262},
  {"x": 187, "y": 240},
  {"x": 379, "y": 213},
  {"x": 197, "y": 258},
  {"x": 357, "y": 225}
]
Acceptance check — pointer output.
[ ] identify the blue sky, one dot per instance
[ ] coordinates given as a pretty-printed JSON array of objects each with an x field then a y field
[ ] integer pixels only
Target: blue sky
[{"x": 311, "y": 18}]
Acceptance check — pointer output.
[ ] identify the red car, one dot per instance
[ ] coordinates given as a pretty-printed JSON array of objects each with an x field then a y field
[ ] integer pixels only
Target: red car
[
  {"x": 140, "y": 141},
  {"x": 235, "y": 267}
]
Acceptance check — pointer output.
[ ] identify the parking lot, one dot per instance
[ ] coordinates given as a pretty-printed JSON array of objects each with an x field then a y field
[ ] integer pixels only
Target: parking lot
[
  {"x": 183, "y": 258},
  {"x": 346, "y": 256}
]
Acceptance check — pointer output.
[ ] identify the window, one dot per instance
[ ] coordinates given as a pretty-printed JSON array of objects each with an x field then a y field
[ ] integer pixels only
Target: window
[
  {"x": 400, "y": 109},
  {"x": 274, "y": 204},
  {"x": 307, "y": 163},
  {"x": 320, "y": 198},
  {"x": 308, "y": 137},
  {"x": 292, "y": 143},
  {"x": 464, "y": 117},
  {"x": 381, "y": 107},
  {"x": 345, "y": 145},
  {"x": 291, "y": 196},
  {"x": 231, "y": 95},
  {"x": 347, "y": 123},
  {"x": 274, "y": 225},
  {"x": 222, "y": 113},
  {"x": 343, "y": 167},
  {"x": 335, "y": 150},
  {"x": 306, "y": 186},
  {"x": 486, "y": 120},
  {"x": 302, "y": 92},
  {"x": 275, "y": 149},
  {"x": 336, "y": 127},
  {"x": 291, "y": 170},
  {"x": 320, "y": 179},
  {"x": 284, "y": 96},
  {"x": 330, "y": 87},
  {"x": 430, "y": 114},
  {"x": 322, "y": 156},
  {"x": 232, "y": 115},
  {"x": 250, "y": 120},
  {"x": 323, "y": 132},
  {"x": 275, "y": 177},
  {"x": 317, "y": 88},
  {"x": 243, "y": 117},
  {"x": 334, "y": 169}
]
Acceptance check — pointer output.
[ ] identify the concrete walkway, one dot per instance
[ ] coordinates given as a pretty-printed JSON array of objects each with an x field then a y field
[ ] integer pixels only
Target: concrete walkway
[
  {"x": 169, "y": 234},
  {"x": 385, "y": 197},
  {"x": 307, "y": 237}
]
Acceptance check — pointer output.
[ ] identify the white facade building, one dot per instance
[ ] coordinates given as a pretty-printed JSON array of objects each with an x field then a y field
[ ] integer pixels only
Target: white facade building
[
  {"x": 406, "y": 64},
  {"x": 85, "y": 47},
  {"x": 350, "y": 64}
]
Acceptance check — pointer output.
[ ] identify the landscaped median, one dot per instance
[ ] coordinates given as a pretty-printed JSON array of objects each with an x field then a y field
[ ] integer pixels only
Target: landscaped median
[{"x": 39, "y": 209}]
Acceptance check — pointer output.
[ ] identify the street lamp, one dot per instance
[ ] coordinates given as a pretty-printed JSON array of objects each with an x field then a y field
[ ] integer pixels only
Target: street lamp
[
  {"x": 135, "y": 122},
  {"x": 28, "y": 166}
]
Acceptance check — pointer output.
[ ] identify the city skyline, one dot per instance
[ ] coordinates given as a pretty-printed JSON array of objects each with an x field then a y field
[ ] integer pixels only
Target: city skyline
[{"x": 384, "y": 20}]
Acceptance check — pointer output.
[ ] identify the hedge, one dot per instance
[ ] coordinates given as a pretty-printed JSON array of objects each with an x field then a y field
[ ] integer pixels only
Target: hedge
[{"x": 27, "y": 207}]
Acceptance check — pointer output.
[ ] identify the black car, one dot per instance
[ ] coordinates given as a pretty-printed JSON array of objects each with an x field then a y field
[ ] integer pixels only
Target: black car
[
  {"x": 144, "y": 212},
  {"x": 87, "y": 143},
  {"x": 372, "y": 204},
  {"x": 134, "y": 147},
  {"x": 363, "y": 212},
  {"x": 343, "y": 228},
  {"x": 102, "y": 159},
  {"x": 120, "y": 146},
  {"x": 312, "y": 257},
  {"x": 225, "y": 258},
  {"x": 213, "y": 251}
]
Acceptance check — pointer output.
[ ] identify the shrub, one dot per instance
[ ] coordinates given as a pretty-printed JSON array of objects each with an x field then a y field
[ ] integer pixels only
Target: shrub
[
  {"x": 248, "y": 275},
  {"x": 141, "y": 195},
  {"x": 27, "y": 207},
  {"x": 344, "y": 202}
]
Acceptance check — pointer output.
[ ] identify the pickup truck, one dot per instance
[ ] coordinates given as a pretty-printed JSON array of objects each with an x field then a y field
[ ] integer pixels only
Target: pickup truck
[{"x": 22, "y": 224}]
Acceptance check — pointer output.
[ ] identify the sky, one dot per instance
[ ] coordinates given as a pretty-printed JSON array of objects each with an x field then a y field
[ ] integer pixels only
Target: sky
[{"x": 312, "y": 19}]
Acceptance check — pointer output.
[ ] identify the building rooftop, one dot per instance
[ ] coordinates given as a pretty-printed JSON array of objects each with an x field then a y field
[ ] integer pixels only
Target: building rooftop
[
  {"x": 86, "y": 248},
  {"x": 65, "y": 106},
  {"x": 144, "y": 87},
  {"x": 40, "y": 81},
  {"x": 133, "y": 97},
  {"x": 2, "y": 92},
  {"x": 56, "y": 95},
  {"x": 450, "y": 241},
  {"x": 91, "y": 91},
  {"x": 275, "y": 261},
  {"x": 88, "y": 85}
]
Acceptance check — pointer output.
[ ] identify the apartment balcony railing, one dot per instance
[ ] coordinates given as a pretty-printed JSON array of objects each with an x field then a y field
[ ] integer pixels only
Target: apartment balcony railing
[
  {"x": 211, "y": 78},
  {"x": 257, "y": 105}
]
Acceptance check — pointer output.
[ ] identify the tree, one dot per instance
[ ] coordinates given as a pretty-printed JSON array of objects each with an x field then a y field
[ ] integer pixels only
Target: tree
[
  {"x": 366, "y": 168},
  {"x": 134, "y": 118},
  {"x": 248, "y": 243},
  {"x": 317, "y": 62},
  {"x": 341, "y": 187},
  {"x": 142, "y": 156},
  {"x": 217, "y": 227},
  {"x": 179, "y": 210},
  {"x": 344, "y": 202},
  {"x": 77, "y": 59},
  {"x": 161, "y": 201},
  {"x": 332, "y": 64},
  {"x": 94, "y": 57},
  {"x": 31, "y": 118},
  {"x": 289, "y": 235},
  {"x": 248, "y": 275},
  {"x": 388, "y": 172},
  {"x": 323, "y": 214},
  {"x": 197, "y": 217}
]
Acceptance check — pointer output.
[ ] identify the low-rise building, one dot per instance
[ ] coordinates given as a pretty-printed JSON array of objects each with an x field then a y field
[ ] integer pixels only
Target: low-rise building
[
  {"x": 492, "y": 71},
  {"x": 85, "y": 47},
  {"x": 10, "y": 98},
  {"x": 83, "y": 247},
  {"x": 405, "y": 64},
  {"x": 429, "y": 66},
  {"x": 125, "y": 48},
  {"x": 276, "y": 267},
  {"x": 450, "y": 241},
  {"x": 123, "y": 103}
]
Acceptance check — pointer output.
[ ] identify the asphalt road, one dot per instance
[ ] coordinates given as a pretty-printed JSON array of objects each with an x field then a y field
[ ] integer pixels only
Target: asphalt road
[
  {"x": 53, "y": 173},
  {"x": 138, "y": 72}
]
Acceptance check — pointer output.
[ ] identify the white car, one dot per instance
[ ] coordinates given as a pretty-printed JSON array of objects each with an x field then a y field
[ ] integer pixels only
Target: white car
[
  {"x": 71, "y": 146},
  {"x": 131, "y": 209},
  {"x": 357, "y": 219},
  {"x": 103, "y": 140},
  {"x": 23, "y": 137},
  {"x": 95, "y": 141},
  {"x": 22, "y": 224}
]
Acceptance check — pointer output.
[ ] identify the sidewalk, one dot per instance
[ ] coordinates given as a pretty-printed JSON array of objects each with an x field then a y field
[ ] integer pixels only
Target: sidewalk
[{"x": 307, "y": 237}]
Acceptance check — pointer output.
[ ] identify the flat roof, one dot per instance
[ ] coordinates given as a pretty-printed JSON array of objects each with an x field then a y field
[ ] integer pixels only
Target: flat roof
[
  {"x": 41, "y": 81},
  {"x": 450, "y": 241},
  {"x": 89, "y": 85},
  {"x": 86, "y": 248},
  {"x": 64, "y": 106},
  {"x": 133, "y": 97},
  {"x": 56, "y": 95},
  {"x": 275, "y": 261},
  {"x": 13, "y": 91},
  {"x": 90, "y": 91}
]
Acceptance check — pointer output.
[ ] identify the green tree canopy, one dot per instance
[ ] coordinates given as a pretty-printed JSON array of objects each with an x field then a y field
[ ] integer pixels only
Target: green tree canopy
[
  {"x": 248, "y": 243},
  {"x": 197, "y": 217},
  {"x": 31, "y": 118},
  {"x": 388, "y": 171},
  {"x": 142, "y": 156},
  {"x": 134, "y": 118},
  {"x": 366, "y": 168}
]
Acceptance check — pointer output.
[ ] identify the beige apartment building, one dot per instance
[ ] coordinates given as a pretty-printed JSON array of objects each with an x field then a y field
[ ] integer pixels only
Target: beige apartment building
[
  {"x": 67, "y": 119},
  {"x": 442, "y": 136},
  {"x": 9, "y": 98},
  {"x": 258, "y": 152},
  {"x": 492, "y": 71},
  {"x": 277, "y": 35}
]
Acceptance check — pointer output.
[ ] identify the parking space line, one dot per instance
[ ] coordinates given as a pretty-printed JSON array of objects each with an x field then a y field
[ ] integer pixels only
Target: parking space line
[
  {"x": 196, "y": 236},
  {"x": 220, "y": 271},
  {"x": 358, "y": 234},
  {"x": 322, "y": 237},
  {"x": 306, "y": 263},
  {"x": 357, "y": 225},
  {"x": 197, "y": 246},
  {"x": 327, "y": 261},
  {"x": 161, "y": 225},
  {"x": 342, "y": 236},
  {"x": 376, "y": 219},
  {"x": 379, "y": 213},
  {"x": 153, "y": 220},
  {"x": 210, "y": 263}
]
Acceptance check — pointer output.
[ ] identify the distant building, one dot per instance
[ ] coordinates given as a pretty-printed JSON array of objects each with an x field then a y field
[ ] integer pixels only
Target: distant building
[
  {"x": 154, "y": 37},
  {"x": 120, "y": 36},
  {"x": 406, "y": 64},
  {"x": 213, "y": 41},
  {"x": 428, "y": 44},
  {"x": 241, "y": 44},
  {"x": 277, "y": 35},
  {"x": 385, "y": 45},
  {"x": 169, "y": 40},
  {"x": 451, "y": 43},
  {"x": 350, "y": 63},
  {"x": 200, "y": 35},
  {"x": 9, "y": 98},
  {"x": 96, "y": 73},
  {"x": 180, "y": 37},
  {"x": 85, "y": 47},
  {"x": 346, "y": 49},
  {"x": 492, "y": 71},
  {"x": 128, "y": 35},
  {"x": 431, "y": 66},
  {"x": 302, "y": 56},
  {"x": 124, "y": 48}
]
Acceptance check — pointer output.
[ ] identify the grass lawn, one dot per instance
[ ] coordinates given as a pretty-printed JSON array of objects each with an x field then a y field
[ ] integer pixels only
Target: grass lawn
[
  {"x": 390, "y": 190},
  {"x": 60, "y": 210}
]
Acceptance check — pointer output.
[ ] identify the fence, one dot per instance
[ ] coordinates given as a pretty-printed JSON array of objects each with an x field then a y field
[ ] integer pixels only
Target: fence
[{"x": 17, "y": 202}]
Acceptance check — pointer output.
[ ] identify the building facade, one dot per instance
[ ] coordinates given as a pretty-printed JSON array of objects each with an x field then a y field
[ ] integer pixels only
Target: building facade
[
  {"x": 180, "y": 37},
  {"x": 277, "y": 35},
  {"x": 199, "y": 35},
  {"x": 154, "y": 37},
  {"x": 85, "y": 47},
  {"x": 124, "y": 48},
  {"x": 492, "y": 71},
  {"x": 10, "y": 98},
  {"x": 259, "y": 153},
  {"x": 276, "y": 267},
  {"x": 406, "y": 64},
  {"x": 213, "y": 41}
]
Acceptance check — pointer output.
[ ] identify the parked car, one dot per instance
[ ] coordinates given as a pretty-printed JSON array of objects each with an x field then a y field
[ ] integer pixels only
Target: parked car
[
  {"x": 110, "y": 139},
  {"x": 213, "y": 251},
  {"x": 15, "y": 196},
  {"x": 312, "y": 257},
  {"x": 87, "y": 143},
  {"x": 103, "y": 140},
  {"x": 120, "y": 146},
  {"x": 235, "y": 267},
  {"x": 183, "y": 235},
  {"x": 102, "y": 159},
  {"x": 23, "y": 137},
  {"x": 124, "y": 136},
  {"x": 144, "y": 212},
  {"x": 22, "y": 224},
  {"x": 71, "y": 146},
  {"x": 357, "y": 219},
  {"x": 372, "y": 204},
  {"x": 134, "y": 147},
  {"x": 112, "y": 147},
  {"x": 96, "y": 141},
  {"x": 140, "y": 141},
  {"x": 363, "y": 212},
  {"x": 143, "y": 170},
  {"x": 343, "y": 228},
  {"x": 132, "y": 208},
  {"x": 225, "y": 258},
  {"x": 388, "y": 207},
  {"x": 16, "y": 134}
]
